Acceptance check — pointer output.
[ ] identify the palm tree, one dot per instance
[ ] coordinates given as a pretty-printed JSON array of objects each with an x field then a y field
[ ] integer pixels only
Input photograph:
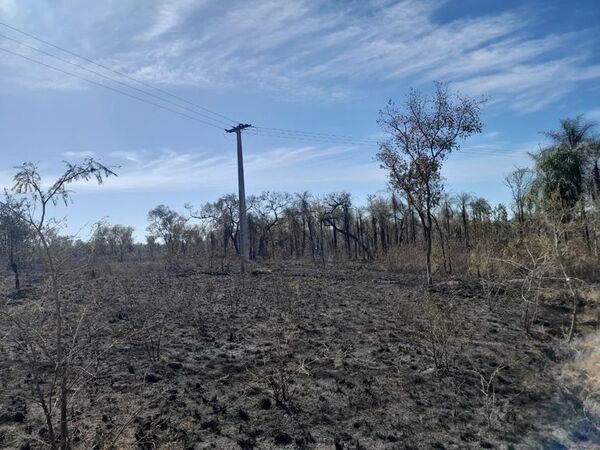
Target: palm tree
[
  {"x": 463, "y": 200},
  {"x": 560, "y": 175},
  {"x": 574, "y": 133},
  {"x": 563, "y": 167}
]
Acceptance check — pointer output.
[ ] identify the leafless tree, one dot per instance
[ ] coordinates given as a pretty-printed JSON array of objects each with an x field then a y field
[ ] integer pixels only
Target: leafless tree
[
  {"x": 30, "y": 201},
  {"x": 15, "y": 241},
  {"x": 221, "y": 214},
  {"x": 519, "y": 183},
  {"x": 269, "y": 207},
  {"x": 304, "y": 201}
]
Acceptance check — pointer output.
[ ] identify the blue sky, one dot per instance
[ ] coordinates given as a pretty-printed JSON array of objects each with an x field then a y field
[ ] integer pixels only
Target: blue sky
[{"x": 317, "y": 65}]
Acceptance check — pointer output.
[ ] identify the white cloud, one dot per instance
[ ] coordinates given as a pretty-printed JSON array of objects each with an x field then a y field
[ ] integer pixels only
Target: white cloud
[
  {"x": 129, "y": 156},
  {"x": 285, "y": 168},
  {"x": 530, "y": 87},
  {"x": 80, "y": 154},
  {"x": 169, "y": 15},
  {"x": 316, "y": 168},
  {"x": 305, "y": 49}
]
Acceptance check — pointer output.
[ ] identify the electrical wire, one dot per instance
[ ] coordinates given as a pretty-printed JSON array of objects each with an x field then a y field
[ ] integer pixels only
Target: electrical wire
[
  {"x": 122, "y": 74},
  {"x": 280, "y": 133},
  {"x": 109, "y": 87},
  {"x": 314, "y": 134},
  {"x": 369, "y": 143},
  {"x": 114, "y": 80},
  {"x": 309, "y": 138}
]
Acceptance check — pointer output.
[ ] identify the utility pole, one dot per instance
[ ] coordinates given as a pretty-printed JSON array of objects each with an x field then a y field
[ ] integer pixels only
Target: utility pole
[{"x": 244, "y": 249}]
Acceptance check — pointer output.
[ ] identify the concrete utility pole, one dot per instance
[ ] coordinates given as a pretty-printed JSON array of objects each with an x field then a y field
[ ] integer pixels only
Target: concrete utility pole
[{"x": 244, "y": 249}]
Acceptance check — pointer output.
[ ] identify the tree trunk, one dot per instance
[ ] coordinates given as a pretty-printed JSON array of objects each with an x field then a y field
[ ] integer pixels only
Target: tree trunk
[
  {"x": 465, "y": 226},
  {"x": 441, "y": 235},
  {"x": 61, "y": 362},
  {"x": 413, "y": 226},
  {"x": 382, "y": 233},
  {"x": 586, "y": 230},
  {"x": 14, "y": 267},
  {"x": 347, "y": 230},
  {"x": 374, "y": 222},
  {"x": 395, "y": 214},
  {"x": 596, "y": 176},
  {"x": 427, "y": 233},
  {"x": 335, "y": 244},
  {"x": 323, "y": 244}
]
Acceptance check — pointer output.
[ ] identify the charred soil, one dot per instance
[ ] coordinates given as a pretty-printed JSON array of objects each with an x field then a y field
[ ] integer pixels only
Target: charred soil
[{"x": 299, "y": 355}]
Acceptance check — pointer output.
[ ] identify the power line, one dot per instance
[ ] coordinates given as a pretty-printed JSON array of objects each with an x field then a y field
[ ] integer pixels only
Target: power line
[
  {"x": 109, "y": 87},
  {"x": 280, "y": 133},
  {"x": 315, "y": 134},
  {"x": 342, "y": 139},
  {"x": 347, "y": 139},
  {"x": 369, "y": 143},
  {"x": 122, "y": 74},
  {"x": 311, "y": 138},
  {"x": 113, "y": 80},
  {"x": 273, "y": 132}
]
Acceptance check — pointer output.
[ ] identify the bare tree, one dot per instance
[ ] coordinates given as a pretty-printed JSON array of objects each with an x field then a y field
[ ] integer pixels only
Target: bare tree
[
  {"x": 519, "y": 183},
  {"x": 337, "y": 211},
  {"x": 222, "y": 214},
  {"x": 380, "y": 211},
  {"x": 269, "y": 207},
  {"x": 30, "y": 201},
  {"x": 422, "y": 132},
  {"x": 304, "y": 201},
  {"x": 15, "y": 241}
]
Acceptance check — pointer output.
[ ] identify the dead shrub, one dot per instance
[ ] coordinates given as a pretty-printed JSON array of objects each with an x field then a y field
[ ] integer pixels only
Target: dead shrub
[
  {"x": 493, "y": 292},
  {"x": 442, "y": 326},
  {"x": 491, "y": 407}
]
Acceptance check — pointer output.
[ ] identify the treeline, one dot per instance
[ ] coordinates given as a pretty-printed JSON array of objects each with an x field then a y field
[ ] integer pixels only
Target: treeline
[
  {"x": 557, "y": 199},
  {"x": 565, "y": 180},
  {"x": 301, "y": 225},
  {"x": 281, "y": 225}
]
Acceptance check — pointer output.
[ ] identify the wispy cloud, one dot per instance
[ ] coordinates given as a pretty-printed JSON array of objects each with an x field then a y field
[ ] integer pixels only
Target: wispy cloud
[
  {"x": 531, "y": 87},
  {"x": 170, "y": 14},
  {"x": 282, "y": 166},
  {"x": 79, "y": 154},
  {"x": 316, "y": 168},
  {"x": 317, "y": 49},
  {"x": 128, "y": 156}
]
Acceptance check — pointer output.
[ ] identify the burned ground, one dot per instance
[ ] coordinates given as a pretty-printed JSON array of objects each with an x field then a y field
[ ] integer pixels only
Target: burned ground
[{"x": 346, "y": 356}]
